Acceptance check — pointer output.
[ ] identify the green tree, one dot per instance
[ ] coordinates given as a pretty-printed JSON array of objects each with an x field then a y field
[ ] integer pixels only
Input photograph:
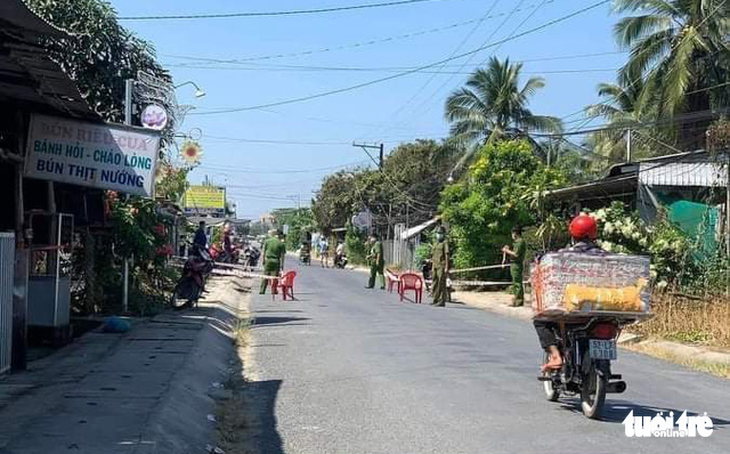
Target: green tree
[
  {"x": 407, "y": 190},
  {"x": 497, "y": 195},
  {"x": 679, "y": 49},
  {"x": 100, "y": 54},
  {"x": 493, "y": 106}
]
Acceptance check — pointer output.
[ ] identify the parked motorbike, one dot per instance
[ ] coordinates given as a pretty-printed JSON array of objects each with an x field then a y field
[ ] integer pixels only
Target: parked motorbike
[
  {"x": 219, "y": 254},
  {"x": 340, "y": 261},
  {"x": 191, "y": 284},
  {"x": 587, "y": 351}
]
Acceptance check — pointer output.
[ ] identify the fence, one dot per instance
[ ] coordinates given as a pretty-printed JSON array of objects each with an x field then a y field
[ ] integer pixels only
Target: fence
[
  {"x": 7, "y": 268},
  {"x": 398, "y": 252}
]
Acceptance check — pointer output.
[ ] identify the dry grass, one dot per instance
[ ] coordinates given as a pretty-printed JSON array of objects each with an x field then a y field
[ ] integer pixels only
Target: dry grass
[{"x": 688, "y": 319}]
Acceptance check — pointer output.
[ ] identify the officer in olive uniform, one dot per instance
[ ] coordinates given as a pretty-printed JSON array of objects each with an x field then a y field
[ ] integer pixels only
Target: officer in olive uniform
[
  {"x": 517, "y": 267},
  {"x": 376, "y": 260},
  {"x": 440, "y": 270},
  {"x": 273, "y": 254}
]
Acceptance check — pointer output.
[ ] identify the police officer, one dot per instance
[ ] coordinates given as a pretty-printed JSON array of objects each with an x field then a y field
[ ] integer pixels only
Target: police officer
[
  {"x": 274, "y": 252},
  {"x": 440, "y": 269},
  {"x": 376, "y": 260},
  {"x": 517, "y": 267}
]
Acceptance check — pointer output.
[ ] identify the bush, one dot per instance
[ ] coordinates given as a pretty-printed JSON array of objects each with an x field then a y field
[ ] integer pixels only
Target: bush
[
  {"x": 503, "y": 188},
  {"x": 671, "y": 250},
  {"x": 355, "y": 244}
]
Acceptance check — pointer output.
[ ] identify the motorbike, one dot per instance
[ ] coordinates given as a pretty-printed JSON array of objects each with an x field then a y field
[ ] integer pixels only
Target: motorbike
[
  {"x": 587, "y": 348},
  {"x": 191, "y": 284},
  {"x": 305, "y": 256},
  {"x": 219, "y": 254},
  {"x": 251, "y": 257},
  {"x": 340, "y": 261}
]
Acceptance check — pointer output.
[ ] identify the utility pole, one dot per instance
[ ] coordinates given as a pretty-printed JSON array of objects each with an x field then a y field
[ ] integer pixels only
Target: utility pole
[
  {"x": 380, "y": 148},
  {"x": 628, "y": 145},
  {"x": 128, "y": 88}
]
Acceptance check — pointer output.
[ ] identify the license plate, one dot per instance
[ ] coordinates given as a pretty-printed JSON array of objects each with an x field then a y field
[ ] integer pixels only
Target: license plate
[{"x": 602, "y": 349}]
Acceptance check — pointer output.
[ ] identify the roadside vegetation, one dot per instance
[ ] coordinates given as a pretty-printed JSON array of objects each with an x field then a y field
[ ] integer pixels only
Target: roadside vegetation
[{"x": 501, "y": 159}]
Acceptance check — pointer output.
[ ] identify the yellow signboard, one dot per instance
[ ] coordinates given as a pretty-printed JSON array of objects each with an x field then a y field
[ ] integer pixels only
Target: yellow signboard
[{"x": 205, "y": 197}]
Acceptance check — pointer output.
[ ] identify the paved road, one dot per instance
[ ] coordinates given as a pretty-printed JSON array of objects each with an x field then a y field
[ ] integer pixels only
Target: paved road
[{"x": 350, "y": 370}]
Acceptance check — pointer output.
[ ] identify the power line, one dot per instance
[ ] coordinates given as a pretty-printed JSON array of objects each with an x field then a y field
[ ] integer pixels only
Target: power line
[
  {"x": 441, "y": 67},
  {"x": 275, "y": 141},
  {"x": 296, "y": 12},
  {"x": 267, "y": 171},
  {"x": 406, "y": 73},
  {"x": 373, "y": 69},
  {"x": 343, "y": 46},
  {"x": 420, "y": 108}
]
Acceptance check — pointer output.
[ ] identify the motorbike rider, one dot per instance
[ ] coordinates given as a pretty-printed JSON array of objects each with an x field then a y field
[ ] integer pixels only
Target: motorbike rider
[
  {"x": 200, "y": 239},
  {"x": 339, "y": 252},
  {"x": 583, "y": 231}
]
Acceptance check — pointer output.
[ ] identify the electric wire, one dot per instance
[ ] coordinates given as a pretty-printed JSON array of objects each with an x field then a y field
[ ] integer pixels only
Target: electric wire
[
  {"x": 298, "y": 12},
  {"x": 406, "y": 73}
]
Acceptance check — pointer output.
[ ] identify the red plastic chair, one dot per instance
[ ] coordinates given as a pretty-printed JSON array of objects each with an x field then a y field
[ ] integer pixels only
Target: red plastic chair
[
  {"x": 392, "y": 279},
  {"x": 287, "y": 284},
  {"x": 411, "y": 281}
]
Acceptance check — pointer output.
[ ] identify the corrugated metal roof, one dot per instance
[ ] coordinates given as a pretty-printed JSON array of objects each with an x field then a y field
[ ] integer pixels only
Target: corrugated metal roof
[
  {"x": 699, "y": 174},
  {"x": 27, "y": 74}
]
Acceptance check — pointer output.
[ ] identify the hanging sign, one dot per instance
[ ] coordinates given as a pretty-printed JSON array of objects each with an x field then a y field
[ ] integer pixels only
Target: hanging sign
[
  {"x": 104, "y": 156},
  {"x": 154, "y": 117}
]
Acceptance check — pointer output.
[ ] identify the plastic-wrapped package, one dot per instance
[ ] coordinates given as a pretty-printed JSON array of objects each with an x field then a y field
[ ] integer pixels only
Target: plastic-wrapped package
[{"x": 579, "y": 284}]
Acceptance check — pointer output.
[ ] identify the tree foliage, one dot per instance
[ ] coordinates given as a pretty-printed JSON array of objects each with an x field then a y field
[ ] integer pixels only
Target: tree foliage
[
  {"x": 100, "y": 54},
  {"x": 496, "y": 195},
  {"x": 680, "y": 57},
  {"x": 405, "y": 191},
  {"x": 493, "y": 106}
]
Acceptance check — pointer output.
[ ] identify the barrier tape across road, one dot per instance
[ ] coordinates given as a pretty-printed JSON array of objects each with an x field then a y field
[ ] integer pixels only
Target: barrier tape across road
[{"x": 240, "y": 270}]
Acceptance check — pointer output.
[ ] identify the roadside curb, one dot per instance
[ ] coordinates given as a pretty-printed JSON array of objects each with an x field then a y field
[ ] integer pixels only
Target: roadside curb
[{"x": 688, "y": 355}]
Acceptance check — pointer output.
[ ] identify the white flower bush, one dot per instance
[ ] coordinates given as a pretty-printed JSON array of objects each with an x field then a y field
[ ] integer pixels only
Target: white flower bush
[{"x": 621, "y": 231}]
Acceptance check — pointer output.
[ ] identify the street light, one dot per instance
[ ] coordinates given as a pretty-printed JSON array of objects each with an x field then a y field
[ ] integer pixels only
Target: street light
[{"x": 198, "y": 92}]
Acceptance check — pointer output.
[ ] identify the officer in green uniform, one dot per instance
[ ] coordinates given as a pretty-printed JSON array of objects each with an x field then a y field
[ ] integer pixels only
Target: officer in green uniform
[
  {"x": 376, "y": 260},
  {"x": 517, "y": 267},
  {"x": 440, "y": 269},
  {"x": 273, "y": 254}
]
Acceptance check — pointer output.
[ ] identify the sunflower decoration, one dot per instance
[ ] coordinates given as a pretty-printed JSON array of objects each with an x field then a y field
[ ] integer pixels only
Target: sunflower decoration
[{"x": 191, "y": 152}]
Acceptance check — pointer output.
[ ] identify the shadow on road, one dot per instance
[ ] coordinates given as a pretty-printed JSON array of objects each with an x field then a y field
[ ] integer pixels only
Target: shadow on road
[
  {"x": 616, "y": 411},
  {"x": 260, "y": 321},
  {"x": 261, "y": 396}
]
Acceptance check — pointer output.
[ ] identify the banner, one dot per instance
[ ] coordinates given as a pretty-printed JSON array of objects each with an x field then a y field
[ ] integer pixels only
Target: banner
[
  {"x": 205, "y": 200},
  {"x": 100, "y": 155}
]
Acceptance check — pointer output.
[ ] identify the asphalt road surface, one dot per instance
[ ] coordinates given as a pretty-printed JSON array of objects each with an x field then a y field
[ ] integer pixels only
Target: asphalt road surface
[{"x": 349, "y": 370}]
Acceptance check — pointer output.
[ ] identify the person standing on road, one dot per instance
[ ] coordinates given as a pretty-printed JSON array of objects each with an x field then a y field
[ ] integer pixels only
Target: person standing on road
[
  {"x": 274, "y": 252},
  {"x": 376, "y": 260},
  {"x": 324, "y": 253},
  {"x": 440, "y": 270},
  {"x": 517, "y": 267}
]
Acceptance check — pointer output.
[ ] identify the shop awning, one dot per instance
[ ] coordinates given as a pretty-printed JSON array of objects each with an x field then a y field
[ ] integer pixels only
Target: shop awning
[{"x": 28, "y": 76}]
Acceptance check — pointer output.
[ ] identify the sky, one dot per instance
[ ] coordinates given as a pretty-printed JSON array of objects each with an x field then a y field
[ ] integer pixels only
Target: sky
[{"x": 275, "y": 157}]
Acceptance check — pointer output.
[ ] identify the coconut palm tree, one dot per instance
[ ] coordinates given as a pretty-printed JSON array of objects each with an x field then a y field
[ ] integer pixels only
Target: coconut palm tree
[
  {"x": 493, "y": 106},
  {"x": 679, "y": 49},
  {"x": 623, "y": 112}
]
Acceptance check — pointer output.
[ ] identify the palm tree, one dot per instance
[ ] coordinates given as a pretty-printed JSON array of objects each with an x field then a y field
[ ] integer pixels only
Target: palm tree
[
  {"x": 623, "y": 112},
  {"x": 492, "y": 106},
  {"x": 678, "y": 48}
]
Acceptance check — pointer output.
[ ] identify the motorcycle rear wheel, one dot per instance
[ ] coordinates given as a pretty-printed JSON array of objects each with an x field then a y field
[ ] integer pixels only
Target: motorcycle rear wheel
[{"x": 593, "y": 394}]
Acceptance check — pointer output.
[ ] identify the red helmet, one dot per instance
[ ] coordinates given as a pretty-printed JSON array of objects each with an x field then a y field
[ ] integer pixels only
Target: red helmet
[{"x": 583, "y": 227}]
